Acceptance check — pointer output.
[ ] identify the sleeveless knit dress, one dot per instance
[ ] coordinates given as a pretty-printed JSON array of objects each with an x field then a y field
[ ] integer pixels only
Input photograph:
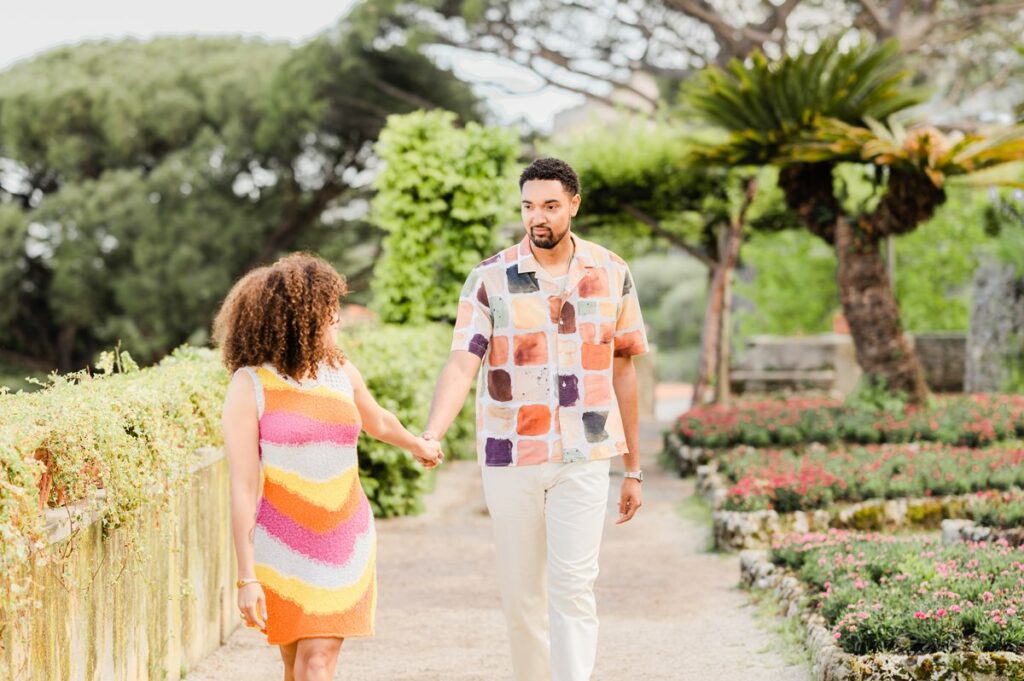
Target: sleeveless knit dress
[{"x": 315, "y": 544}]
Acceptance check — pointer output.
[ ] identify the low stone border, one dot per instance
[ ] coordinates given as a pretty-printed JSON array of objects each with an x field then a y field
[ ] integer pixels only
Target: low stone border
[
  {"x": 830, "y": 663},
  {"x": 957, "y": 530},
  {"x": 686, "y": 458},
  {"x": 735, "y": 530}
]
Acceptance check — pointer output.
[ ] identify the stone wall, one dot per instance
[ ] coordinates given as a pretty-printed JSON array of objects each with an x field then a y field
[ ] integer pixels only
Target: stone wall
[
  {"x": 107, "y": 613},
  {"x": 995, "y": 344},
  {"x": 943, "y": 357}
]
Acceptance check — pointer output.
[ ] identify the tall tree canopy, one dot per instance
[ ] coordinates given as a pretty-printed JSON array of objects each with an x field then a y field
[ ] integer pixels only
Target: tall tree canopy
[
  {"x": 139, "y": 179},
  {"x": 588, "y": 46}
]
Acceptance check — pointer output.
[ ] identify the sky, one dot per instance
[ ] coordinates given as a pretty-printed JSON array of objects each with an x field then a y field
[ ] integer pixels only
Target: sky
[{"x": 37, "y": 27}]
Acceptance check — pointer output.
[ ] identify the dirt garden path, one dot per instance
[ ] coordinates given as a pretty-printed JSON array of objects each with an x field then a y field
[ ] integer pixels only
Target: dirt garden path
[{"x": 670, "y": 610}]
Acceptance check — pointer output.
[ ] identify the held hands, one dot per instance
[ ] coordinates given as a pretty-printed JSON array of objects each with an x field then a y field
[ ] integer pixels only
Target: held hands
[{"x": 427, "y": 451}]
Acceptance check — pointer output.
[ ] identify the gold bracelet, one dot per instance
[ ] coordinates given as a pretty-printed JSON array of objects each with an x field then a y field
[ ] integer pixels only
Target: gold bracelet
[{"x": 242, "y": 582}]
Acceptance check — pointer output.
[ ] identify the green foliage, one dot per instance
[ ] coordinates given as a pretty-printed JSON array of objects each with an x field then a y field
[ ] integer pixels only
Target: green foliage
[
  {"x": 639, "y": 166},
  {"x": 1004, "y": 219},
  {"x": 765, "y": 105},
  {"x": 793, "y": 290},
  {"x": 142, "y": 178},
  {"x": 400, "y": 365},
  {"x": 672, "y": 289},
  {"x": 872, "y": 394},
  {"x": 133, "y": 434},
  {"x": 935, "y": 264},
  {"x": 441, "y": 195}
]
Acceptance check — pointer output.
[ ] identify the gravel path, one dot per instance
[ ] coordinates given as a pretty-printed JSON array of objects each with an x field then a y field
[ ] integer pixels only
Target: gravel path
[{"x": 670, "y": 610}]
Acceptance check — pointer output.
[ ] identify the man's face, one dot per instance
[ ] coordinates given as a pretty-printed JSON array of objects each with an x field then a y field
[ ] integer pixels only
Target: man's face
[{"x": 548, "y": 210}]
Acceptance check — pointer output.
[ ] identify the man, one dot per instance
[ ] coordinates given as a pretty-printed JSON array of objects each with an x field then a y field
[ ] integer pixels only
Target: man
[{"x": 551, "y": 326}]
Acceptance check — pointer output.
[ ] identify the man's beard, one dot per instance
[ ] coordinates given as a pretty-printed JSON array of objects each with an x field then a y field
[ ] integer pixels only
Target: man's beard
[{"x": 549, "y": 241}]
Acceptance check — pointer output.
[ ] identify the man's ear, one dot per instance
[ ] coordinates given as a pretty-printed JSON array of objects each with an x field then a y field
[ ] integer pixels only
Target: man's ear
[{"x": 574, "y": 205}]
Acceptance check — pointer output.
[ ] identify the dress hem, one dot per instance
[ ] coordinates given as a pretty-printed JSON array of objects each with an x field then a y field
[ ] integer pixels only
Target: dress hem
[{"x": 332, "y": 634}]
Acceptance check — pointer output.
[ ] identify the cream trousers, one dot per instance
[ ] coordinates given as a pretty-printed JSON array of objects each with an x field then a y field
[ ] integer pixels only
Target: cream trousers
[{"x": 547, "y": 521}]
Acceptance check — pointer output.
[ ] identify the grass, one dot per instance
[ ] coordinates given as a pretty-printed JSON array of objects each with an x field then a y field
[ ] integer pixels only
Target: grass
[
  {"x": 695, "y": 509},
  {"x": 789, "y": 630}
]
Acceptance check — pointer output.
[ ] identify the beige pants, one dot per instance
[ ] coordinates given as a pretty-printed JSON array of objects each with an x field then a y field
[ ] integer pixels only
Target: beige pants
[{"x": 547, "y": 522}]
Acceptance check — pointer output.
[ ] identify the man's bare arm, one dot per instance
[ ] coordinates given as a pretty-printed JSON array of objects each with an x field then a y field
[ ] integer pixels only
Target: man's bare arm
[{"x": 450, "y": 393}]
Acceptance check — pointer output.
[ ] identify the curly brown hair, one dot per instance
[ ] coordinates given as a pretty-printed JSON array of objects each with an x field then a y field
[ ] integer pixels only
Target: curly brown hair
[{"x": 278, "y": 315}]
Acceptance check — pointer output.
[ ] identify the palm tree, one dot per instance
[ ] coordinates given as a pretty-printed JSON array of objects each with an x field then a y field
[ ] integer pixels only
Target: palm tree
[{"x": 809, "y": 112}]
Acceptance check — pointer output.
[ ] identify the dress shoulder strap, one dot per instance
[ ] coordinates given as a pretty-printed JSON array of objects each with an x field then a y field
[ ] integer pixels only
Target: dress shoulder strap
[{"x": 258, "y": 385}]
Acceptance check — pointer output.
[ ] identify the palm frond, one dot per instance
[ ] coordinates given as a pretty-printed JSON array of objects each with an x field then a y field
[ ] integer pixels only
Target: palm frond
[{"x": 766, "y": 105}]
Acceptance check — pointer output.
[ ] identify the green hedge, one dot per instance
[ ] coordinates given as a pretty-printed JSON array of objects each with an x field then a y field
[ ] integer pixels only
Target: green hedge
[
  {"x": 400, "y": 365},
  {"x": 136, "y": 434}
]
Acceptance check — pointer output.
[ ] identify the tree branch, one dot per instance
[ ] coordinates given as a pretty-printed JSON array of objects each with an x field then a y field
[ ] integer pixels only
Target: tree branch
[
  {"x": 883, "y": 26},
  {"x": 657, "y": 229}
]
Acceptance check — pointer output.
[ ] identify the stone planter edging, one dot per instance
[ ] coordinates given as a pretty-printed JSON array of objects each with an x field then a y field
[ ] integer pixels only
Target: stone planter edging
[
  {"x": 686, "y": 458},
  {"x": 956, "y": 530},
  {"x": 736, "y": 530},
  {"x": 830, "y": 663}
]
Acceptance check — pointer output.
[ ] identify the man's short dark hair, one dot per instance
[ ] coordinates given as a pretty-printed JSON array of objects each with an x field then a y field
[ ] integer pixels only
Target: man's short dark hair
[{"x": 552, "y": 169}]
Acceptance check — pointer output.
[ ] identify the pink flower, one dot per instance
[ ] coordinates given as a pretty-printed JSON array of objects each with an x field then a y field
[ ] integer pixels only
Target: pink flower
[
  {"x": 836, "y": 635},
  {"x": 920, "y": 615}
]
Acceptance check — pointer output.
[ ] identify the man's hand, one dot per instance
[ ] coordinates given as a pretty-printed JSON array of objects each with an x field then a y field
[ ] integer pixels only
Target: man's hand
[
  {"x": 428, "y": 452},
  {"x": 630, "y": 500}
]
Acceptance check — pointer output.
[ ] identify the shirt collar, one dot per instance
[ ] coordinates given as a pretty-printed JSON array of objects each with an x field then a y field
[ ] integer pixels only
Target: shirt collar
[{"x": 526, "y": 262}]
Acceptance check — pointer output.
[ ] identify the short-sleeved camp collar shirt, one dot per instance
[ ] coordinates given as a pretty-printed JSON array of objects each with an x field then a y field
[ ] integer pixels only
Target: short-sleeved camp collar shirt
[{"x": 544, "y": 392}]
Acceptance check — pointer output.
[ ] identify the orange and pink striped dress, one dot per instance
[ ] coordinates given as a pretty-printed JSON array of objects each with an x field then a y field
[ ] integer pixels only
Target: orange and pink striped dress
[{"x": 315, "y": 544}]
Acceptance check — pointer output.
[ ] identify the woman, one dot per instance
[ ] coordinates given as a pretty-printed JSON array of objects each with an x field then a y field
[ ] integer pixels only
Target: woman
[{"x": 305, "y": 544}]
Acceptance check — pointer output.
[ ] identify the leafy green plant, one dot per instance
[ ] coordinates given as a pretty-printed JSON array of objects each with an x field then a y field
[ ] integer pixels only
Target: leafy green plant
[{"x": 441, "y": 195}]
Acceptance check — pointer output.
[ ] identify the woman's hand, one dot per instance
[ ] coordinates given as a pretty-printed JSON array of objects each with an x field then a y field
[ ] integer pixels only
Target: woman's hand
[
  {"x": 253, "y": 604},
  {"x": 427, "y": 452}
]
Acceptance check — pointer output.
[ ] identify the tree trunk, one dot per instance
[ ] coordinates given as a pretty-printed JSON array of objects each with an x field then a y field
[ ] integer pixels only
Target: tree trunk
[
  {"x": 723, "y": 391},
  {"x": 709, "y": 336},
  {"x": 870, "y": 307},
  {"x": 66, "y": 348},
  {"x": 714, "y": 359}
]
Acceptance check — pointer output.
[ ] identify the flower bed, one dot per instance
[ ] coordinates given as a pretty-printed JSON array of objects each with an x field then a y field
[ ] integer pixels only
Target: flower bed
[
  {"x": 870, "y": 606},
  {"x": 786, "y": 480},
  {"x": 880, "y": 594},
  {"x": 974, "y": 420}
]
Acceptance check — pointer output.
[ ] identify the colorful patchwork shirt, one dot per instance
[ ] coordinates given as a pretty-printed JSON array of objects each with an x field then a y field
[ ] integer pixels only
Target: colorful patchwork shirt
[{"x": 544, "y": 392}]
